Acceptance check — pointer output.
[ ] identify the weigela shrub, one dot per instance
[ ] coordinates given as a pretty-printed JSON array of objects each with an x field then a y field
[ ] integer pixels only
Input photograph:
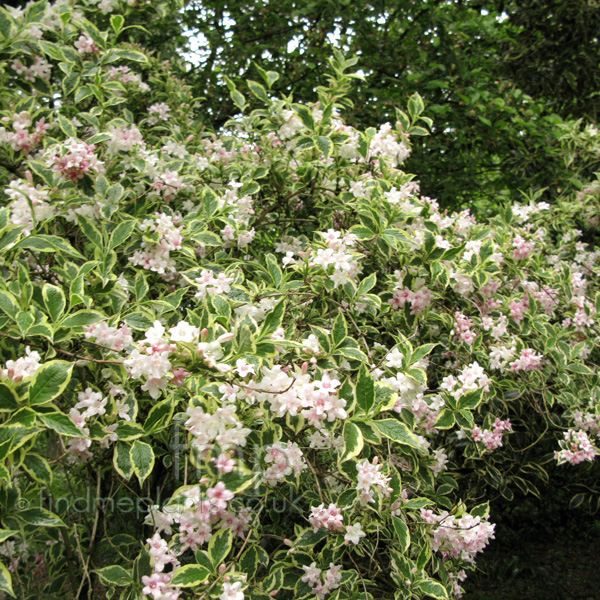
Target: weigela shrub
[{"x": 260, "y": 359}]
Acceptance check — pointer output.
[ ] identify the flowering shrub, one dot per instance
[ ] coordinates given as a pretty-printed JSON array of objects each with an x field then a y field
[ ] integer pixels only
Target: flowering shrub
[{"x": 261, "y": 350}]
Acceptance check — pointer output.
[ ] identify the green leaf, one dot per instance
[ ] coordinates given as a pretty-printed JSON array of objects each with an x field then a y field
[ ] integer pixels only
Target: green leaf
[
  {"x": 365, "y": 390},
  {"x": 129, "y": 430},
  {"x": 6, "y": 533},
  {"x": 203, "y": 560},
  {"x": 207, "y": 238},
  {"x": 139, "y": 321},
  {"x": 118, "y": 54},
  {"x": 67, "y": 127},
  {"x": 24, "y": 320},
  {"x": 140, "y": 285},
  {"x": 40, "y": 517},
  {"x": 91, "y": 232},
  {"x": 325, "y": 145},
  {"x": 48, "y": 243},
  {"x": 220, "y": 545},
  {"x": 445, "y": 419},
  {"x": 367, "y": 284},
  {"x": 121, "y": 233},
  {"x": 239, "y": 480},
  {"x": 122, "y": 460},
  {"x": 9, "y": 304},
  {"x": 433, "y": 589},
  {"x": 402, "y": 532},
  {"x": 190, "y": 576},
  {"x": 85, "y": 91},
  {"x": 99, "y": 137},
  {"x": 306, "y": 116},
  {"x": 8, "y": 398},
  {"x": 6, "y": 581},
  {"x": 396, "y": 238},
  {"x": 415, "y": 105},
  {"x": 114, "y": 575},
  {"x": 421, "y": 352},
  {"x": 272, "y": 77},
  {"x": 116, "y": 22},
  {"x": 159, "y": 416},
  {"x": 258, "y": 90},
  {"x": 274, "y": 270},
  {"x": 310, "y": 538},
  {"x": 352, "y": 354},
  {"x": 51, "y": 50},
  {"x": 238, "y": 99},
  {"x": 38, "y": 468},
  {"x": 470, "y": 400},
  {"x": 54, "y": 300},
  {"x": 418, "y": 375},
  {"x": 273, "y": 321},
  {"x": 397, "y": 432},
  {"x": 82, "y": 318},
  {"x": 49, "y": 381},
  {"x": 353, "y": 441},
  {"x": 339, "y": 331},
  {"x": 251, "y": 559},
  {"x": 60, "y": 423},
  {"x": 142, "y": 458},
  {"x": 579, "y": 368}
]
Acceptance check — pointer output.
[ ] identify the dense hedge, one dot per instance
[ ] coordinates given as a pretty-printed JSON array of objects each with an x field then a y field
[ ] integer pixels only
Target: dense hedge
[{"x": 257, "y": 362}]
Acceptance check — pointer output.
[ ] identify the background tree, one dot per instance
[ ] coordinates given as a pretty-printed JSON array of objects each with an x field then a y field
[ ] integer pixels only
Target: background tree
[{"x": 496, "y": 76}]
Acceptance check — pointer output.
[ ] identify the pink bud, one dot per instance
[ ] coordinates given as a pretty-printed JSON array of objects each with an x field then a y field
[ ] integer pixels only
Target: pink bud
[
  {"x": 288, "y": 542},
  {"x": 222, "y": 569},
  {"x": 304, "y": 367},
  {"x": 204, "y": 334},
  {"x": 225, "y": 337}
]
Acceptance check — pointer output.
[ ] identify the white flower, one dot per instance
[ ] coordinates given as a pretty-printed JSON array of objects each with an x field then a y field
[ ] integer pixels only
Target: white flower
[
  {"x": 354, "y": 533},
  {"x": 232, "y": 591},
  {"x": 184, "y": 332}
]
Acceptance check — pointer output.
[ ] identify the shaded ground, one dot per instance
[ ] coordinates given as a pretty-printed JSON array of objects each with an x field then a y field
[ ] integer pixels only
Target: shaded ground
[{"x": 546, "y": 559}]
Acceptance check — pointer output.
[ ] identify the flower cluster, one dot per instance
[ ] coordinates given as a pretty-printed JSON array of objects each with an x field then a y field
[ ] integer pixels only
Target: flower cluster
[
  {"x": 329, "y": 518},
  {"x": 23, "y": 138},
  {"x": 126, "y": 76},
  {"x": 332, "y": 579},
  {"x": 221, "y": 427},
  {"x": 39, "y": 69},
  {"x": 385, "y": 144},
  {"x": 74, "y": 160},
  {"x": 492, "y": 438},
  {"x": 200, "y": 513},
  {"x": 338, "y": 254},
  {"x": 115, "y": 338},
  {"x": 25, "y": 366},
  {"x": 471, "y": 378},
  {"x": 369, "y": 477},
  {"x": 155, "y": 253},
  {"x": 459, "y": 537},
  {"x": 283, "y": 460},
  {"x": 30, "y": 204},
  {"x": 575, "y": 448},
  {"x": 316, "y": 400}
]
